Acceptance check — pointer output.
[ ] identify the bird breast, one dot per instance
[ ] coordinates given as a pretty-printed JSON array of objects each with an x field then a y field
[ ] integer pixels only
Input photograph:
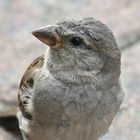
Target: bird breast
[{"x": 68, "y": 112}]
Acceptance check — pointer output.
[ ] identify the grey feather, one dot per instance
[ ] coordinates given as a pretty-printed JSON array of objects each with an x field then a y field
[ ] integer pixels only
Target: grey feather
[{"x": 76, "y": 93}]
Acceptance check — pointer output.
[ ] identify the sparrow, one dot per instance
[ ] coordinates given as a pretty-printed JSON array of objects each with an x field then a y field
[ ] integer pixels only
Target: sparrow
[{"x": 72, "y": 91}]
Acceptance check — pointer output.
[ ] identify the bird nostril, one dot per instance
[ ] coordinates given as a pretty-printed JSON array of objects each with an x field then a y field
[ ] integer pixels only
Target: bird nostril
[{"x": 56, "y": 30}]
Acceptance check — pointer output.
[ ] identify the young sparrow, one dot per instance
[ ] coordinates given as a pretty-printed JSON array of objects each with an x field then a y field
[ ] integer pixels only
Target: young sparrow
[{"x": 72, "y": 92}]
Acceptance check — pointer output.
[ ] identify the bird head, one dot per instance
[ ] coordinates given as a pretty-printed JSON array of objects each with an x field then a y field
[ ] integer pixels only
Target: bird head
[{"x": 80, "y": 49}]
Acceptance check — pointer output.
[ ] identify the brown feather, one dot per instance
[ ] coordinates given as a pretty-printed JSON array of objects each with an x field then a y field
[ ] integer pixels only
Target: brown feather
[{"x": 26, "y": 85}]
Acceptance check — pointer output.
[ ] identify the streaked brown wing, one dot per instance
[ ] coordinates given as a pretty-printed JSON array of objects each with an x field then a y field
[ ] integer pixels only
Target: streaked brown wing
[{"x": 26, "y": 87}]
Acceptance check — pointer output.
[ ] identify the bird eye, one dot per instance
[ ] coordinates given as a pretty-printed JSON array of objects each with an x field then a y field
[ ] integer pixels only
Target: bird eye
[{"x": 76, "y": 41}]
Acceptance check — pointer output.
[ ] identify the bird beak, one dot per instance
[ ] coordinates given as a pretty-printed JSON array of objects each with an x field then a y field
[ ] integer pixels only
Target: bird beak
[{"x": 48, "y": 36}]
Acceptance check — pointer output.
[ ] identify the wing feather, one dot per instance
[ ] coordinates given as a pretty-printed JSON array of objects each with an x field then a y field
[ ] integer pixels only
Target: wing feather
[{"x": 26, "y": 87}]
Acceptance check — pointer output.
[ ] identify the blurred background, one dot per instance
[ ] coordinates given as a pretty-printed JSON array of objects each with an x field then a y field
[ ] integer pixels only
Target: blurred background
[{"x": 18, "y": 48}]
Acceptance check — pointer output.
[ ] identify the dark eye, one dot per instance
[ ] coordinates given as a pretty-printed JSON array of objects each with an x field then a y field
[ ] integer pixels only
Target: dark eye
[{"x": 76, "y": 41}]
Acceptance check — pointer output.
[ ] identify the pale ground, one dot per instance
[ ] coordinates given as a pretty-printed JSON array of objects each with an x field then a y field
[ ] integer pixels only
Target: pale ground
[{"x": 18, "y": 48}]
